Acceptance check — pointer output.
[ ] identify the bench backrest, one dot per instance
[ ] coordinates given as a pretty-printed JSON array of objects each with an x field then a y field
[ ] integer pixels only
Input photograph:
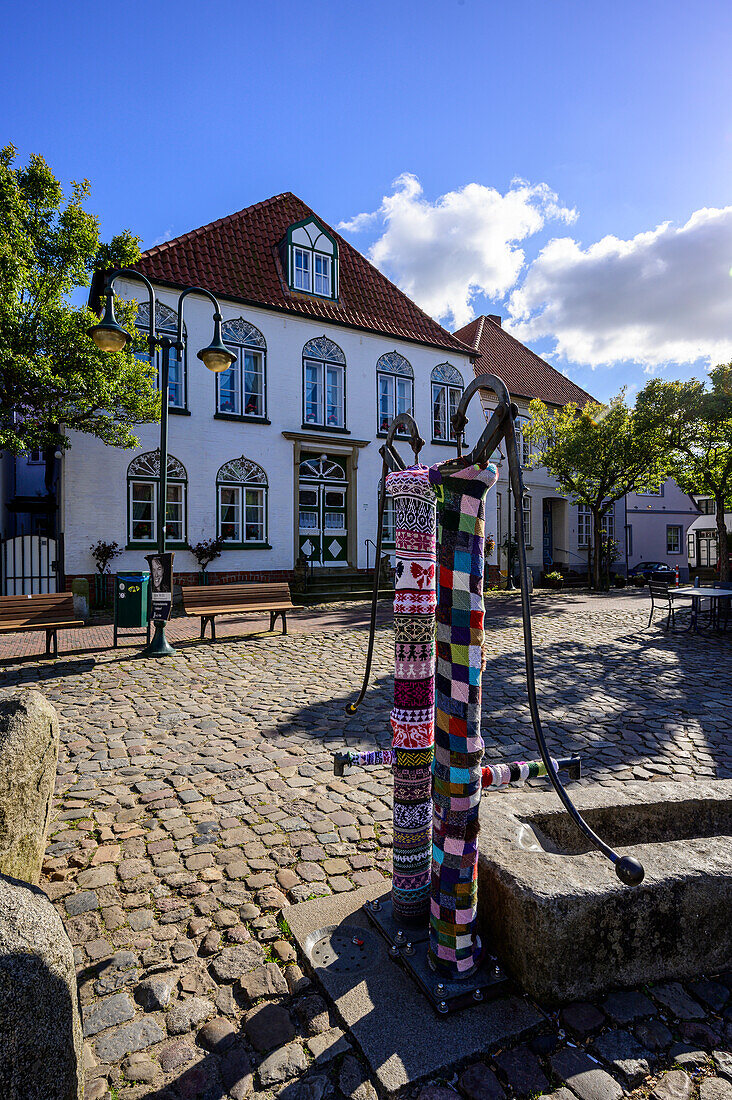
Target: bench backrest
[
  {"x": 233, "y": 595},
  {"x": 45, "y": 607}
]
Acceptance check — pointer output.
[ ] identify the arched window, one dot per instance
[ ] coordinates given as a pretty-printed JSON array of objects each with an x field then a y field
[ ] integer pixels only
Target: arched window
[
  {"x": 395, "y": 385},
  {"x": 241, "y": 390},
  {"x": 447, "y": 389},
  {"x": 143, "y": 488},
  {"x": 241, "y": 503},
  {"x": 166, "y": 324},
  {"x": 324, "y": 389}
]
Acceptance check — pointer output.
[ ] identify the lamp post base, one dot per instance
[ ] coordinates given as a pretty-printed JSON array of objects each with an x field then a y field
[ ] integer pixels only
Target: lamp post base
[{"x": 159, "y": 646}]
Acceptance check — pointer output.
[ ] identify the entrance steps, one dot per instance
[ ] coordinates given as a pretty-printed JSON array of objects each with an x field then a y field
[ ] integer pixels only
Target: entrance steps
[{"x": 334, "y": 585}]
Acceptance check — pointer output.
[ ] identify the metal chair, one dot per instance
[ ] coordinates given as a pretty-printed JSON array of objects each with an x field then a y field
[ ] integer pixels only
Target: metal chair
[{"x": 660, "y": 594}]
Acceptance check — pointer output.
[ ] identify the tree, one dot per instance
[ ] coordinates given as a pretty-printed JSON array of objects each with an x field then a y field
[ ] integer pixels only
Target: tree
[
  {"x": 695, "y": 421},
  {"x": 597, "y": 454},
  {"x": 52, "y": 375}
]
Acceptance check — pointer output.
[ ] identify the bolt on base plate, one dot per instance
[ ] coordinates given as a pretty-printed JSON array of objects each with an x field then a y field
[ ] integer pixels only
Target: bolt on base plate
[{"x": 408, "y": 947}]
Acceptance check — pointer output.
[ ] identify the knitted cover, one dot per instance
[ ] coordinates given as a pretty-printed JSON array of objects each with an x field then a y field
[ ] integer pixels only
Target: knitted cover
[
  {"x": 454, "y": 944},
  {"x": 412, "y": 717}
]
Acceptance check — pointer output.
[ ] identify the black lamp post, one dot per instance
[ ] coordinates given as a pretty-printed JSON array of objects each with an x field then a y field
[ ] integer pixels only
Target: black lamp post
[{"x": 108, "y": 335}]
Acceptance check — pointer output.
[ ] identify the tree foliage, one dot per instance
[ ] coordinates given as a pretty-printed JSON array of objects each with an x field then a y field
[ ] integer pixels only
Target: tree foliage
[
  {"x": 694, "y": 419},
  {"x": 51, "y": 373},
  {"x": 597, "y": 454}
]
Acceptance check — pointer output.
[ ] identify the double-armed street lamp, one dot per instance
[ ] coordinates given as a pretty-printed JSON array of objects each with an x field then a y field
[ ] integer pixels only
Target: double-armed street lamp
[{"x": 109, "y": 336}]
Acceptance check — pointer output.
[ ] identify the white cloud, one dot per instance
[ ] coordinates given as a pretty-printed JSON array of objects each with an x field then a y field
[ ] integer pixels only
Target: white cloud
[
  {"x": 445, "y": 253},
  {"x": 664, "y": 295}
]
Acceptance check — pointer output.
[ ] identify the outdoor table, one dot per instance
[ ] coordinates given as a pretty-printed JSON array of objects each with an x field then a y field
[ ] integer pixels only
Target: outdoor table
[{"x": 714, "y": 595}]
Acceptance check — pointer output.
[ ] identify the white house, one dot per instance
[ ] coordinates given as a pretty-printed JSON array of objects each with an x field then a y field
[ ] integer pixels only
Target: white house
[
  {"x": 702, "y": 540},
  {"x": 279, "y": 455}
]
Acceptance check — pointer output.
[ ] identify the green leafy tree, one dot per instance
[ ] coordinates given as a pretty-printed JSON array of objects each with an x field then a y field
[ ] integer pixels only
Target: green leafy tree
[
  {"x": 695, "y": 421},
  {"x": 597, "y": 454},
  {"x": 52, "y": 376}
]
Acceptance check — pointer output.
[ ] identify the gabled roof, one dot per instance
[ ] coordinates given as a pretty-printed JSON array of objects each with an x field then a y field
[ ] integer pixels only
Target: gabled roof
[
  {"x": 525, "y": 374},
  {"x": 237, "y": 257}
]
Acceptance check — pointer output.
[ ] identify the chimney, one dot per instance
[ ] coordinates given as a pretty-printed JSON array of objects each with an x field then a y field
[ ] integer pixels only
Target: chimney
[{"x": 494, "y": 317}]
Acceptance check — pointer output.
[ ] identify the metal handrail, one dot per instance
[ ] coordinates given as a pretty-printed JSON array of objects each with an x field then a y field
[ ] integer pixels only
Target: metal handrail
[{"x": 367, "y": 543}]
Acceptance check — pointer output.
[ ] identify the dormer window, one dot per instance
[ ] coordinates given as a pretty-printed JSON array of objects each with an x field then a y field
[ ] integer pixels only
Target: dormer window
[{"x": 310, "y": 255}]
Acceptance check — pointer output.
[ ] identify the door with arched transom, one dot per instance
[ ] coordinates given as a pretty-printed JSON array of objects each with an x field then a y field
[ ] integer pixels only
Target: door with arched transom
[{"x": 323, "y": 488}]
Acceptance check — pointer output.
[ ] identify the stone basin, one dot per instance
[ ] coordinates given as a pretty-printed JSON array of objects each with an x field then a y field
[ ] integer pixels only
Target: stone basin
[{"x": 562, "y": 922}]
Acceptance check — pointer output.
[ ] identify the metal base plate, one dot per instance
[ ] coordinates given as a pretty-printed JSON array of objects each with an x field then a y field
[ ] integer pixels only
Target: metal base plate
[
  {"x": 381, "y": 914},
  {"x": 408, "y": 948}
]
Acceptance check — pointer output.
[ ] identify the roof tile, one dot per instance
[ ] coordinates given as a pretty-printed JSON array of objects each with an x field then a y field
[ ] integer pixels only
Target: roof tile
[
  {"x": 237, "y": 257},
  {"x": 525, "y": 374}
]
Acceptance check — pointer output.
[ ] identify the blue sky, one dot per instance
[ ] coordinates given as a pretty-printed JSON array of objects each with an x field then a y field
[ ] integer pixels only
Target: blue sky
[{"x": 422, "y": 116}]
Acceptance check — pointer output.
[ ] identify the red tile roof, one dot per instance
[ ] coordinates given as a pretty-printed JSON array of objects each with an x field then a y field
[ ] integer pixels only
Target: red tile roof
[
  {"x": 525, "y": 374},
  {"x": 237, "y": 258}
]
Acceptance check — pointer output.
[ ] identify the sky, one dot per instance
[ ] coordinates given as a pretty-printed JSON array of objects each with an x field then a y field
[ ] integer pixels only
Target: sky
[{"x": 565, "y": 165}]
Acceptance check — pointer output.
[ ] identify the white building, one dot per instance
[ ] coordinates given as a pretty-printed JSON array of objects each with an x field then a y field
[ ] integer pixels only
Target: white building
[
  {"x": 656, "y": 526},
  {"x": 280, "y": 454}
]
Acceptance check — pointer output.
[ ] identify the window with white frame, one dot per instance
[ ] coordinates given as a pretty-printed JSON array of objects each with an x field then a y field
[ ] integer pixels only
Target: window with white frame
[
  {"x": 324, "y": 377},
  {"x": 584, "y": 524},
  {"x": 241, "y": 389},
  {"x": 523, "y": 445},
  {"x": 527, "y": 519},
  {"x": 395, "y": 386},
  {"x": 241, "y": 503},
  {"x": 389, "y": 525},
  {"x": 691, "y": 546},
  {"x": 166, "y": 325},
  {"x": 34, "y": 458},
  {"x": 447, "y": 389},
  {"x": 313, "y": 259},
  {"x": 673, "y": 538},
  {"x": 143, "y": 494}
]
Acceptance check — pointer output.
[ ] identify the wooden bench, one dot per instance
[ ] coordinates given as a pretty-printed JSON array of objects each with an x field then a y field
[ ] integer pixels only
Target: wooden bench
[
  {"x": 50, "y": 611},
  {"x": 210, "y": 600}
]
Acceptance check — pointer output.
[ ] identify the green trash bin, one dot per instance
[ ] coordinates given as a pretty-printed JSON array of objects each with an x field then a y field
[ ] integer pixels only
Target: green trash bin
[{"x": 131, "y": 602}]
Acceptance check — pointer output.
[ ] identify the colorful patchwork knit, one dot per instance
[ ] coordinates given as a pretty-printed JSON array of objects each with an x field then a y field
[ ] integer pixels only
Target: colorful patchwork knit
[
  {"x": 454, "y": 944},
  {"x": 518, "y": 771},
  {"x": 375, "y": 756},
  {"x": 412, "y": 717}
]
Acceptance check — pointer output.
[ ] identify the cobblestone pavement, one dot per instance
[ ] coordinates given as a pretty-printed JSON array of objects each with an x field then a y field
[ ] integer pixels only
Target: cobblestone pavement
[{"x": 196, "y": 800}]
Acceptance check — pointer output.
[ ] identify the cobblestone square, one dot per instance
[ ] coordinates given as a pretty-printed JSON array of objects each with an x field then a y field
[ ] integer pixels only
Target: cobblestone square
[{"x": 196, "y": 800}]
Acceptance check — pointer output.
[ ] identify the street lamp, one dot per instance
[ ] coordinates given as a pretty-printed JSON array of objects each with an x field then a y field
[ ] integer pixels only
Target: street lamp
[{"x": 109, "y": 336}]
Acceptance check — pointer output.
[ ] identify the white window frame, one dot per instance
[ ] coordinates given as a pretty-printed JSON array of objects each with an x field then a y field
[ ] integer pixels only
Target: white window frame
[
  {"x": 182, "y": 502},
  {"x": 585, "y": 525},
  {"x": 678, "y": 528},
  {"x": 325, "y": 277},
  {"x": 35, "y": 458},
  {"x": 238, "y": 371},
  {"x": 451, "y": 396},
  {"x": 499, "y": 520},
  {"x": 526, "y": 516},
  {"x": 691, "y": 546},
  {"x": 322, "y": 414},
  {"x": 302, "y": 276},
  {"x": 395, "y": 402}
]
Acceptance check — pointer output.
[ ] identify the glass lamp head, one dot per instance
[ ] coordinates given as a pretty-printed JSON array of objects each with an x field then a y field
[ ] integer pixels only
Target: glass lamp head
[
  {"x": 108, "y": 335},
  {"x": 216, "y": 357}
]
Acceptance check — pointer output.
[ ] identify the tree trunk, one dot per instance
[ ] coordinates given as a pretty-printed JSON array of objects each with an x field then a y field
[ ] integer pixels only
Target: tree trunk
[
  {"x": 722, "y": 540},
  {"x": 597, "y": 560}
]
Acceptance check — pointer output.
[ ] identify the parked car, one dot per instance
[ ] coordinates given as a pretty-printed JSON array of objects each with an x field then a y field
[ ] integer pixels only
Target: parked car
[{"x": 647, "y": 571}]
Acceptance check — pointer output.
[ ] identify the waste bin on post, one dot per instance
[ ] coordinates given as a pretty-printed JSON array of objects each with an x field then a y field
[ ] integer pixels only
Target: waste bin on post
[{"x": 131, "y": 603}]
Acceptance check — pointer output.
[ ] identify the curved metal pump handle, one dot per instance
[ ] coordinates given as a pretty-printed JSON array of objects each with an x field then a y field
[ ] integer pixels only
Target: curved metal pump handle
[
  {"x": 391, "y": 460},
  {"x": 629, "y": 870}
]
